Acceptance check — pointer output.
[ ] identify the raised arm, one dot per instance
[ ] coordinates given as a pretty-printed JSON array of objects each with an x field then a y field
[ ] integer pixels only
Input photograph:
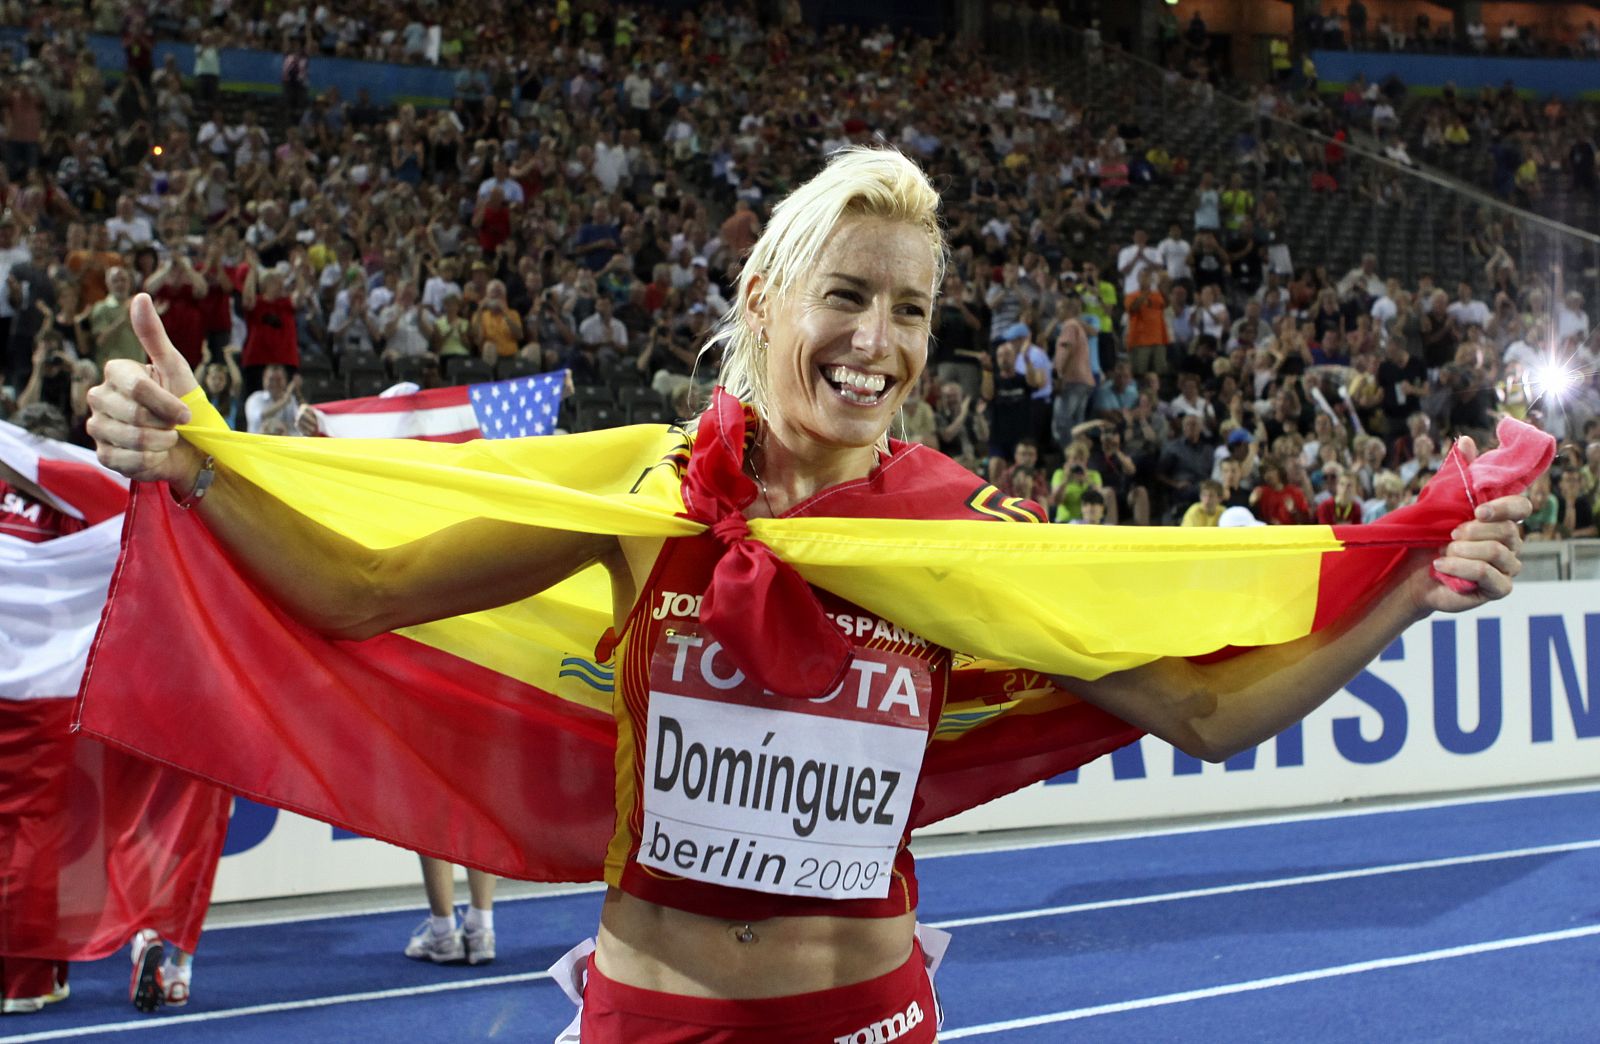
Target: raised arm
[
  {"x": 1215, "y": 710},
  {"x": 323, "y": 578}
]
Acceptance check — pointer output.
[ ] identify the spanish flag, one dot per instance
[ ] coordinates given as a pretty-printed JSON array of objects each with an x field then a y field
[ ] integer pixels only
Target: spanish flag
[{"x": 488, "y": 739}]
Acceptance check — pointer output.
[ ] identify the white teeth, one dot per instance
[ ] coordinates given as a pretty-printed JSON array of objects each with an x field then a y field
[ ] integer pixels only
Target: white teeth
[{"x": 867, "y": 382}]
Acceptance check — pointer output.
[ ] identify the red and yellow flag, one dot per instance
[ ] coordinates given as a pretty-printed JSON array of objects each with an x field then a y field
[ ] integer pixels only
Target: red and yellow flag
[{"x": 488, "y": 738}]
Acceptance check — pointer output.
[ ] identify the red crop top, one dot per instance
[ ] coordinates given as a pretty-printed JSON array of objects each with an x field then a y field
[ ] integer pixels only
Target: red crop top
[{"x": 735, "y": 803}]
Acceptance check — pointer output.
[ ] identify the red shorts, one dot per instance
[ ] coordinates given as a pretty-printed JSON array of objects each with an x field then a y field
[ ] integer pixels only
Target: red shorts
[{"x": 897, "y": 1008}]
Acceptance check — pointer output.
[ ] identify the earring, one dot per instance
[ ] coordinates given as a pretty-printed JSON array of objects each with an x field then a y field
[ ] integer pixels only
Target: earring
[{"x": 761, "y": 341}]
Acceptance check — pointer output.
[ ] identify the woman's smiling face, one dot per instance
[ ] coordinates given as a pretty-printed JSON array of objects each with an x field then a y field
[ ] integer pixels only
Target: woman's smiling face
[{"x": 846, "y": 347}]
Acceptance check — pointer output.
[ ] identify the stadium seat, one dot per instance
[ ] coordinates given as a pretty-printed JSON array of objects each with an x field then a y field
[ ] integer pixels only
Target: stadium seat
[
  {"x": 353, "y": 361},
  {"x": 599, "y": 415},
  {"x": 365, "y": 383},
  {"x": 314, "y": 361},
  {"x": 585, "y": 397},
  {"x": 635, "y": 396},
  {"x": 625, "y": 376},
  {"x": 470, "y": 370},
  {"x": 320, "y": 386},
  {"x": 413, "y": 368},
  {"x": 516, "y": 366},
  {"x": 650, "y": 413}
]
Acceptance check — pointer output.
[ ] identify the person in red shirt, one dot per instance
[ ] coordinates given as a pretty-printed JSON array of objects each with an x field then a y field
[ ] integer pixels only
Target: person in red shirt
[
  {"x": 216, "y": 304},
  {"x": 179, "y": 291},
  {"x": 493, "y": 221},
  {"x": 1342, "y": 509},
  {"x": 1277, "y": 503},
  {"x": 269, "y": 314}
]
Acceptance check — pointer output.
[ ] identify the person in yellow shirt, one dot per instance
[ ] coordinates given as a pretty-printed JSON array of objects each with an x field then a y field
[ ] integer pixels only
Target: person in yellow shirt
[
  {"x": 1278, "y": 52},
  {"x": 1209, "y": 509},
  {"x": 496, "y": 327}
]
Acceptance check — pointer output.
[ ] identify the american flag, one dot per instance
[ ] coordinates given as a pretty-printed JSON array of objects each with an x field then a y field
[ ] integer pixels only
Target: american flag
[{"x": 495, "y": 410}]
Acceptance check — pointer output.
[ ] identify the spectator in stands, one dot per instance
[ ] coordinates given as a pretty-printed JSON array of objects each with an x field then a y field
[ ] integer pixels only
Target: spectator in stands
[
  {"x": 1008, "y": 387},
  {"x": 269, "y": 307},
  {"x": 223, "y": 383},
  {"x": 598, "y": 240},
  {"x": 1185, "y": 462},
  {"x": 353, "y": 327},
  {"x": 1021, "y": 476},
  {"x": 1174, "y": 252},
  {"x": 180, "y": 290},
  {"x": 1237, "y": 202},
  {"x": 1424, "y": 461},
  {"x": 1466, "y": 310},
  {"x": 1211, "y": 315},
  {"x": 1147, "y": 335},
  {"x": 1572, "y": 322},
  {"x": 128, "y": 228},
  {"x": 1135, "y": 259},
  {"x": 1342, "y": 509},
  {"x": 112, "y": 335},
  {"x": 1093, "y": 506},
  {"x": 960, "y": 334},
  {"x": 1276, "y": 502},
  {"x": 1439, "y": 332},
  {"x": 1477, "y": 35},
  {"x": 1363, "y": 279},
  {"x": 963, "y": 429},
  {"x": 1574, "y": 510},
  {"x": 296, "y": 78},
  {"x": 273, "y": 409},
  {"x": 1210, "y": 262},
  {"x": 1208, "y": 509},
  {"x": 497, "y": 330},
  {"x": 401, "y": 326},
  {"x": 1071, "y": 482},
  {"x": 740, "y": 231}
]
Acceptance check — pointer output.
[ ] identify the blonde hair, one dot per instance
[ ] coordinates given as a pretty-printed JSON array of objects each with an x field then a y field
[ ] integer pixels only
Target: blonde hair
[{"x": 859, "y": 181}]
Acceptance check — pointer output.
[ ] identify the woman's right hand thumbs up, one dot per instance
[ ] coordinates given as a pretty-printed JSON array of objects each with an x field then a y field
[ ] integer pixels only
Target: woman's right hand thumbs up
[{"x": 135, "y": 408}]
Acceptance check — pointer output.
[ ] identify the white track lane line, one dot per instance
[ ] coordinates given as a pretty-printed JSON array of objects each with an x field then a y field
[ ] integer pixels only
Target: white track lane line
[
  {"x": 1052, "y": 911},
  {"x": 268, "y": 1009},
  {"x": 1269, "y": 883},
  {"x": 370, "y": 911},
  {"x": 1273, "y": 982}
]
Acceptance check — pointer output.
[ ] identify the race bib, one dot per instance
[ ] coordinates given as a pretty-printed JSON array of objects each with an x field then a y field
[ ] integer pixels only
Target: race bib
[{"x": 793, "y": 797}]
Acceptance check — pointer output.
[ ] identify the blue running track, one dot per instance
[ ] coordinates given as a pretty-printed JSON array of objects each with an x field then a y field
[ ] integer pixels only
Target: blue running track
[{"x": 1461, "y": 921}]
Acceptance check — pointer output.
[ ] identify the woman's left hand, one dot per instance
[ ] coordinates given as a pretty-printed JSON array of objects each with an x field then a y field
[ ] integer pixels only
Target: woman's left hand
[{"x": 1485, "y": 551}]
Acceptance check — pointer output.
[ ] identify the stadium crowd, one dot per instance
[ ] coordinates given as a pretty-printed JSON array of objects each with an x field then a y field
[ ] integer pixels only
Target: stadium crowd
[
  {"x": 585, "y": 200},
  {"x": 1358, "y": 28}
]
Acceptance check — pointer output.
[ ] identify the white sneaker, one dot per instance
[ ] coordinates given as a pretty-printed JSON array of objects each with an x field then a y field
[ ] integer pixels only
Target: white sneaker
[
  {"x": 424, "y": 945},
  {"x": 29, "y": 1005},
  {"x": 175, "y": 981},
  {"x": 480, "y": 946}
]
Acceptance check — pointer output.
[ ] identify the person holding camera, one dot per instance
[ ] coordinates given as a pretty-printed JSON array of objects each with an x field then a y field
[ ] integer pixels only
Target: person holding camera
[
  {"x": 669, "y": 357},
  {"x": 496, "y": 327},
  {"x": 272, "y": 337}
]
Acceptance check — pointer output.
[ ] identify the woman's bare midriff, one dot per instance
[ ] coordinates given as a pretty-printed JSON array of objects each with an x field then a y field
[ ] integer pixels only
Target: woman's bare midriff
[{"x": 658, "y": 948}]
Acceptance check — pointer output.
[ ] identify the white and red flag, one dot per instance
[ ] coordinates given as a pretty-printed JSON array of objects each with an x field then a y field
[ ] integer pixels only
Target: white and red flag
[{"x": 94, "y": 843}]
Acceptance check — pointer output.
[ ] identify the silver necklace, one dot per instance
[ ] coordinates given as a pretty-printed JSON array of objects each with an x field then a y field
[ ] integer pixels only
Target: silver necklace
[{"x": 761, "y": 484}]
